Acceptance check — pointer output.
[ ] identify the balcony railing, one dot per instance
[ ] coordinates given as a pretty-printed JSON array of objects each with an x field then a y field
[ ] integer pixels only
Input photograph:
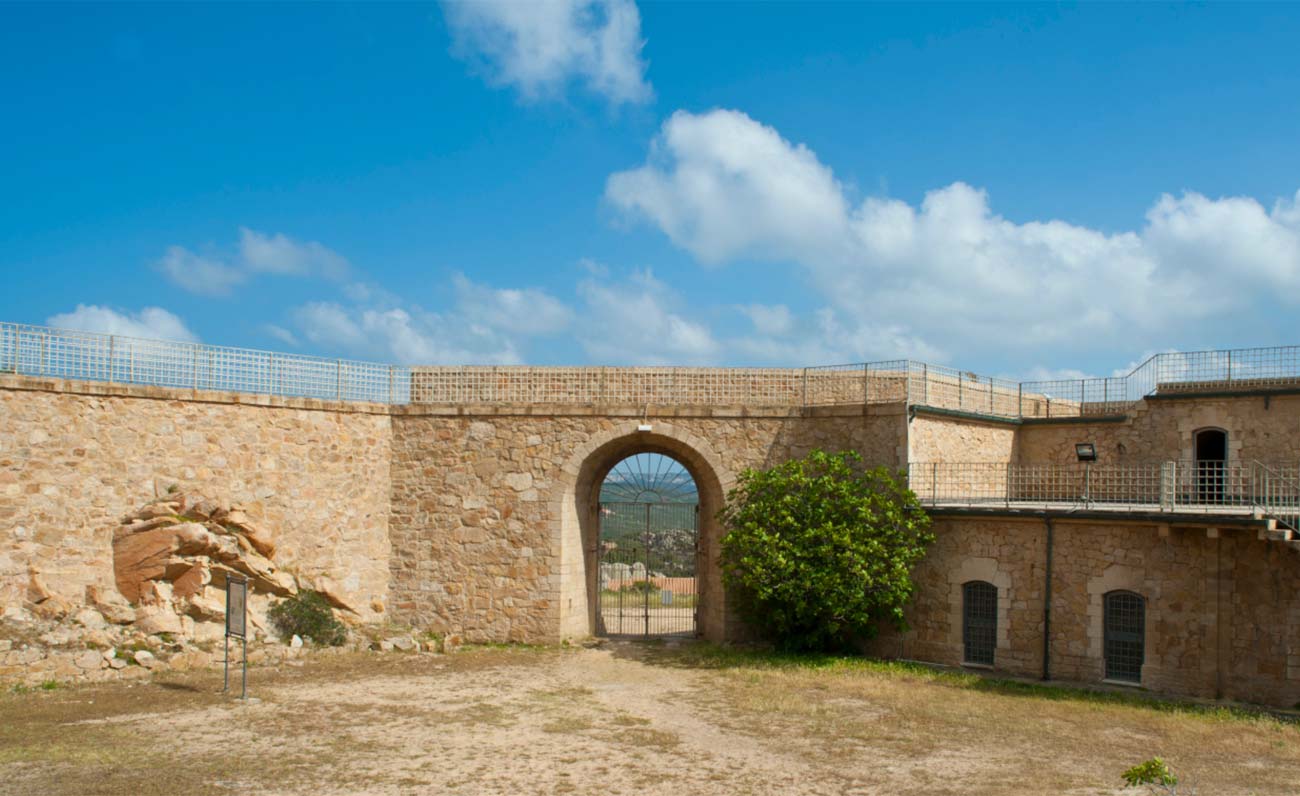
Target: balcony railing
[{"x": 1206, "y": 487}]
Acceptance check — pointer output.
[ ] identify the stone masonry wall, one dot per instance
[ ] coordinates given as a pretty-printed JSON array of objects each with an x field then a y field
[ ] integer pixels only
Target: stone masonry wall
[
  {"x": 1222, "y": 606},
  {"x": 473, "y": 524},
  {"x": 76, "y": 458},
  {"x": 446, "y": 518},
  {"x": 1263, "y": 428},
  {"x": 940, "y": 438}
]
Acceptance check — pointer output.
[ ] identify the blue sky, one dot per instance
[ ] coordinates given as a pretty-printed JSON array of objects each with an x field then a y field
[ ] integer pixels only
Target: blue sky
[{"x": 1018, "y": 190}]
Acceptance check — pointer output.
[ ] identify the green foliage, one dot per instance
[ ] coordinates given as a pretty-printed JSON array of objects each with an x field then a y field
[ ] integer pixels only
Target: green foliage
[
  {"x": 1154, "y": 773},
  {"x": 309, "y": 615},
  {"x": 49, "y": 685},
  {"x": 818, "y": 552}
]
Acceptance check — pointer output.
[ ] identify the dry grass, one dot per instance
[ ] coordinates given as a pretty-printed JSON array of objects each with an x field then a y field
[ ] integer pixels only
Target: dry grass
[{"x": 621, "y": 719}]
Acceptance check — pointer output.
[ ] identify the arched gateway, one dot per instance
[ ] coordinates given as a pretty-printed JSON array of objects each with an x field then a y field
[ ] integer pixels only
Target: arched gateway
[
  {"x": 582, "y": 610},
  {"x": 647, "y": 554}
]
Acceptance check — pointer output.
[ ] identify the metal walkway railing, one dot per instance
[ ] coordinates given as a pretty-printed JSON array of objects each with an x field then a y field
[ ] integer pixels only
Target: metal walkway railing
[
  {"x": 1205, "y": 487},
  {"x": 66, "y": 354},
  {"x": 61, "y": 353}
]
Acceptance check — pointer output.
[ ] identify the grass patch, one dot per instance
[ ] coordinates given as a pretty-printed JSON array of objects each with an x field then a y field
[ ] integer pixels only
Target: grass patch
[
  {"x": 645, "y": 738},
  {"x": 568, "y": 724},
  {"x": 712, "y": 656}
]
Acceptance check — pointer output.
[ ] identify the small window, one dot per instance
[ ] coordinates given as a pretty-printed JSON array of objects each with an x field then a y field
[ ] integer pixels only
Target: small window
[
  {"x": 1125, "y": 636},
  {"x": 979, "y": 627}
]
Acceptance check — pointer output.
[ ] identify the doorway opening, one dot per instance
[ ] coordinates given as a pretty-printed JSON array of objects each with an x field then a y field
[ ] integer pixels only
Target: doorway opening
[
  {"x": 648, "y": 551},
  {"x": 1211, "y": 445}
]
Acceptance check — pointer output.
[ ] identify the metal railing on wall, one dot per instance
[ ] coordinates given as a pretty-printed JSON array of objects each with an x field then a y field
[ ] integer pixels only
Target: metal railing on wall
[
  {"x": 1182, "y": 486},
  {"x": 67, "y": 354},
  {"x": 62, "y": 353}
]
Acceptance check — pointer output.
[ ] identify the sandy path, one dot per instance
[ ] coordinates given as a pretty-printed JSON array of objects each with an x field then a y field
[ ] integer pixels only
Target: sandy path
[{"x": 590, "y": 721}]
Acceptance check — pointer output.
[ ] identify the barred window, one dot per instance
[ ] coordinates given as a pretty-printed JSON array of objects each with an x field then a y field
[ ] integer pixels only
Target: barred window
[
  {"x": 979, "y": 630},
  {"x": 1125, "y": 636}
]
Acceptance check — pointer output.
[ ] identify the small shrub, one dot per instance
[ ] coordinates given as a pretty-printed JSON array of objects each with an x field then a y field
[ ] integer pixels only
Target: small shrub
[
  {"x": 49, "y": 685},
  {"x": 309, "y": 615},
  {"x": 1154, "y": 774}
]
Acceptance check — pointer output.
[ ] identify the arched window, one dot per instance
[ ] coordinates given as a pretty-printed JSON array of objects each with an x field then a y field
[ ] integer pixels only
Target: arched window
[
  {"x": 979, "y": 622},
  {"x": 1124, "y": 620}
]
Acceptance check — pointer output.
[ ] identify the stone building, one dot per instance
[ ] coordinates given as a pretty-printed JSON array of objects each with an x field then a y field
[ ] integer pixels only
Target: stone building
[{"x": 1136, "y": 530}]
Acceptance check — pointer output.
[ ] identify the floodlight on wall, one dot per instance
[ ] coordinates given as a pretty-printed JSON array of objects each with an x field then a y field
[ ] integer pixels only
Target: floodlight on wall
[{"x": 1085, "y": 451}]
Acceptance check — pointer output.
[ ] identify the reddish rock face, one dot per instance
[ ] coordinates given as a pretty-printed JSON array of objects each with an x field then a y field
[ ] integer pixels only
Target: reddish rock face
[{"x": 166, "y": 554}]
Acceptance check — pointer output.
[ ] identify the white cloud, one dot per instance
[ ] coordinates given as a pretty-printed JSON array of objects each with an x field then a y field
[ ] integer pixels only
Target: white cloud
[
  {"x": 280, "y": 254},
  {"x": 779, "y": 337},
  {"x": 150, "y": 322},
  {"x": 539, "y": 46},
  {"x": 950, "y": 275},
  {"x": 636, "y": 321},
  {"x": 526, "y": 311},
  {"x": 202, "y": 275},
  {"x": 258, "y": 253},
  {"x": 769, "y": 320},
  {"x": 282, "y": 334},
  {"x": 411, "y": 337}
]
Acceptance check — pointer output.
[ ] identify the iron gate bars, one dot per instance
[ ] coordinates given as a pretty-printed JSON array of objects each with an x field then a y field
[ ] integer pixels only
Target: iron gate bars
[{"x": 647, "y": 582}]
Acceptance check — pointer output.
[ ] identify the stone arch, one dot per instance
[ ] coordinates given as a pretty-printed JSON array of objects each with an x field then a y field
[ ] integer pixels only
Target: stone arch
[{"x": 574, "y": 502}]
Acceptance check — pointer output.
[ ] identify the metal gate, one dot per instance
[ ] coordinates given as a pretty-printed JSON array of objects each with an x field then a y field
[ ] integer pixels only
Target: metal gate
[{"x": 646, "y": 575}]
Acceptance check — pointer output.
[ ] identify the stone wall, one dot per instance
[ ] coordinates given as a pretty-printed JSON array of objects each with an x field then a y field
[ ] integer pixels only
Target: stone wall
[
  {"x": 491, "y": 515},
  {"x": 1222, "y": 606},
  {"x": 1263, "y": 428},
  {"x": 934, "y": 437},
  {"x": 481, "y": 497},
  {"x": 75, "y": 458}
]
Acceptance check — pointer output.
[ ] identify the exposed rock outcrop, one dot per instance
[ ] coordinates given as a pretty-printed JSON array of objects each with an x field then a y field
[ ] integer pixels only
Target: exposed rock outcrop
[{"x": 171, "y": 560}]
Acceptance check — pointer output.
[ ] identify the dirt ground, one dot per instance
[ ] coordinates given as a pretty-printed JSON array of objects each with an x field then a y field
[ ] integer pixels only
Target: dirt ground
[{"x": 620, "y": 718}]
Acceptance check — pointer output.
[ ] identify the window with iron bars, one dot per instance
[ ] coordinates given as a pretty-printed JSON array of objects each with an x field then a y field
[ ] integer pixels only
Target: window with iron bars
[
  {"x": 979, "y": 631},
  {"x": 1124, "y": 619}
]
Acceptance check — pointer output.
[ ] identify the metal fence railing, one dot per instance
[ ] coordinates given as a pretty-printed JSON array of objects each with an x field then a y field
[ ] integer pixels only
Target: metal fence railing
[
  {"x": 1199, "y": 486},
  {"x": 62, "y": 353},
  {"x": 66, "y": 354}
]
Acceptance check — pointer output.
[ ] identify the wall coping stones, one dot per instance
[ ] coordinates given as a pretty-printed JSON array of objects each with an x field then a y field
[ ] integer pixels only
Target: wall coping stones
[{"x": 116, "y": 390}]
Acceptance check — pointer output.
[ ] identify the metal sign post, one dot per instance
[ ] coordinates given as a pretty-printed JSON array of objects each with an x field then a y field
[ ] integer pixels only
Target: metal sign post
[{"x": 237, "y": 626}]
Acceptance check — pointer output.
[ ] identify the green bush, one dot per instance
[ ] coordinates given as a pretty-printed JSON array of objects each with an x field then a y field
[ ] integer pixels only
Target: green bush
[
  {"x": 1153, "y": 773},
  {"x": 309, "y": 615},
  {"x": 818, "y": 552}
]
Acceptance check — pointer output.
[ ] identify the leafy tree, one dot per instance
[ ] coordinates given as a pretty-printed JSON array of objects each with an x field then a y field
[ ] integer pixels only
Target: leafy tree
[{"x": 819, "y": 551}]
